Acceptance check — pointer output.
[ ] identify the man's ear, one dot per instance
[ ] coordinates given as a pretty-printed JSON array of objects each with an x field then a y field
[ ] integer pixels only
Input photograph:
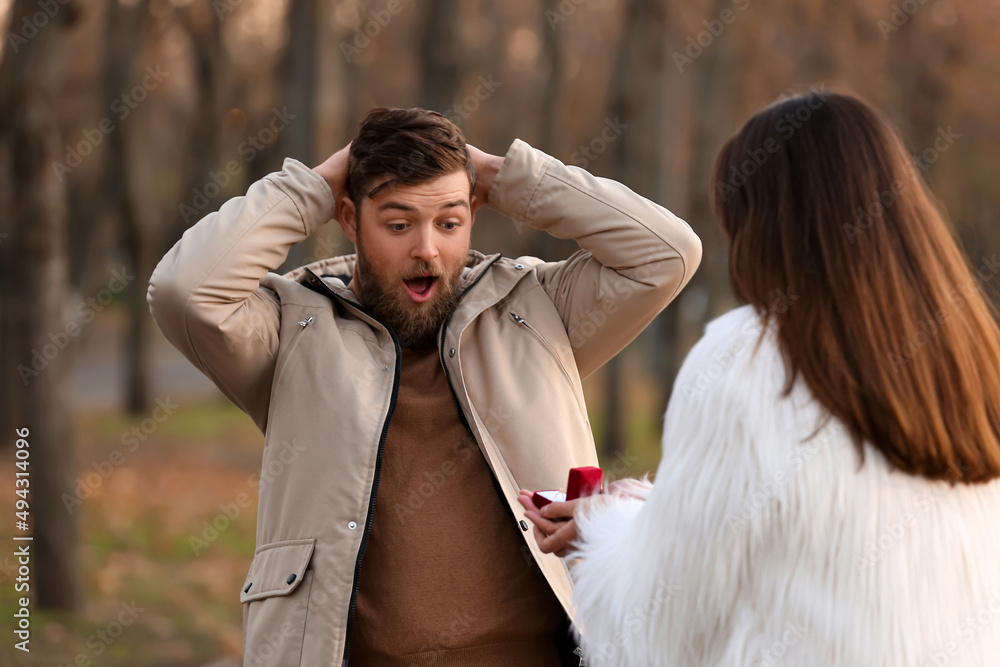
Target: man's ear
[
  {"x": 474, "y": 205},
  {"x": 347, "y": 218}
]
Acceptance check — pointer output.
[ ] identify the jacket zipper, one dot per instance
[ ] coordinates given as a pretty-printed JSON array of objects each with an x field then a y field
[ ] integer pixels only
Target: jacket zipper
[
  {"x": 296, "y": 337},
  {"x": 378, "y": 468},
  {"x": 385, "y": 430},
  {"x": 527, "y": 325}
]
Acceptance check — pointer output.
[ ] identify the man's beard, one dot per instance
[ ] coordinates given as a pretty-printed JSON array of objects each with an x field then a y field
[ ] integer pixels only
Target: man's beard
[{"x": 415, "y": 324}]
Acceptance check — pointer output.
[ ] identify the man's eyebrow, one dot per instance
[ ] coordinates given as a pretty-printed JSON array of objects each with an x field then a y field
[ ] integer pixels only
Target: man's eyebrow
[{"x": 397, "y": 206}]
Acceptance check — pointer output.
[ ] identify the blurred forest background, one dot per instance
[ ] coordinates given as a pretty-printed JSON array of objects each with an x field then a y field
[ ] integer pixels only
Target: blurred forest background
[{"x": 123, "y": 122}]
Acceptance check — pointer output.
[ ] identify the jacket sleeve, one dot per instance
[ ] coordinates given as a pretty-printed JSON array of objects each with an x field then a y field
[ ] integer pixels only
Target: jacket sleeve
[
  {"x": 634, "y": 259},
  {"x": 205, "y": 293}
]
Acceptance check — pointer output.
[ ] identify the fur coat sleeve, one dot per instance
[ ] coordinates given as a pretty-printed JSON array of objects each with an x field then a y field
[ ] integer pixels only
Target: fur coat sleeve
[{"x": 767, "y": 541}]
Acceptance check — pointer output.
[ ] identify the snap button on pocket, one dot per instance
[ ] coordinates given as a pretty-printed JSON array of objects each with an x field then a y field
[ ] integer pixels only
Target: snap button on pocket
[
  {"x": 248, "y": 587},
  {"x": 352, "y": 525},
  {"x": 290, "y": 578}
]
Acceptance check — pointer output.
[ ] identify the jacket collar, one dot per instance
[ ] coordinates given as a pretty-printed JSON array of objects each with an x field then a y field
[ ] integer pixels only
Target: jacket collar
[{"x": 336, "y": 272}]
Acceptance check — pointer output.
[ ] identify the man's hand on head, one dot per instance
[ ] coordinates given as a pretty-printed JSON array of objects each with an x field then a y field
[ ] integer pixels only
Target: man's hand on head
[
  {"x": 334, "y": 170},
  {"x": 487, "y": 167}
]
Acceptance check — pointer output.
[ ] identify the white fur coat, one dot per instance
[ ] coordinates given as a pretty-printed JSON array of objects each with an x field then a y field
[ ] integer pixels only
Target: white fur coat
[{"x": 758, "y": 548}]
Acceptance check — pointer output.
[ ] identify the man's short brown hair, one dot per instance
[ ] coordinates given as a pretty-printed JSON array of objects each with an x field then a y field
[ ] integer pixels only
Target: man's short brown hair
[{"x": 410, "y": 146}]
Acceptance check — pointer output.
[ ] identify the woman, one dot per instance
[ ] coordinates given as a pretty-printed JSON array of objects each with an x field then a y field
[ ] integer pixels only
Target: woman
[{"x": 827, "y": 493}]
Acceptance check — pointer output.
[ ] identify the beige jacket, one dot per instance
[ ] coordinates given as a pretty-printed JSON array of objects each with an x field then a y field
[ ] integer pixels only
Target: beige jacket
[{"x": 318, "y": 374}]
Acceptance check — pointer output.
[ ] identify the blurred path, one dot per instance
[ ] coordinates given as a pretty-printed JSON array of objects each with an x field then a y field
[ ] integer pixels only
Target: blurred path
[{"x": 96, "y": 376}]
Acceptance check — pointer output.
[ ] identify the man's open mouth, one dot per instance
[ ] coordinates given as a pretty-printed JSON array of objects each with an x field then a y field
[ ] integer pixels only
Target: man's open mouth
[{"x": 420, "y": 288}]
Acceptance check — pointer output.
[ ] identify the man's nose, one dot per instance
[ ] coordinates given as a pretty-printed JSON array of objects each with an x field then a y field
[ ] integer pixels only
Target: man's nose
[{"x": 425, "y": 247}]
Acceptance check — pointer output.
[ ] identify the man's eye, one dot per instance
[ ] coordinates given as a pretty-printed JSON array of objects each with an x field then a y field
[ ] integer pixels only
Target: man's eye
[
  {"x": 449, "y": 225},
  {"x": 397, "y": 227}
]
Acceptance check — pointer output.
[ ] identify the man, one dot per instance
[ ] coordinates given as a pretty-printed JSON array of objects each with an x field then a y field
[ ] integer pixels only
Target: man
[{"x": 407, "y": 393}]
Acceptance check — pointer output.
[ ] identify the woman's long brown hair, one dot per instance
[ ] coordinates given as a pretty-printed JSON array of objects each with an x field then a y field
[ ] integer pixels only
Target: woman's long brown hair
[{"x": 881, "y": 314}]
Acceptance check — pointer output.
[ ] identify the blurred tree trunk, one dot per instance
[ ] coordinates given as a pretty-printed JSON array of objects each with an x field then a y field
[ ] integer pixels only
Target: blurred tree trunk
[
  {"x": 35, "y": 278},
  {"x": 124, "y": 35},
  {"x": 711, "y": 123},
  {"x": 441, "y": 55},
  {"x": 553, "y": 83},
  {"x": 299, "y": 67},
  {"x": 203, "y": 26},
  {"x": 634, "y": 154}
]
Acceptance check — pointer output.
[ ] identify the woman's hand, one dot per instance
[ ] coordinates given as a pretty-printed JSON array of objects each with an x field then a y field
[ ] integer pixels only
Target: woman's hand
[{"x": 554, "y": 526}]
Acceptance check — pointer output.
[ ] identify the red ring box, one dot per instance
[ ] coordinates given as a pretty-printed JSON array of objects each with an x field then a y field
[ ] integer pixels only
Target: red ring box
[{"x": 583, "y": 482}]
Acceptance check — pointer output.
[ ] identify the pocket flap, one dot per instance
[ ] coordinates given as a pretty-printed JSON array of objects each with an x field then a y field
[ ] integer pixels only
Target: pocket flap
[{"x": 277, "y": 569}]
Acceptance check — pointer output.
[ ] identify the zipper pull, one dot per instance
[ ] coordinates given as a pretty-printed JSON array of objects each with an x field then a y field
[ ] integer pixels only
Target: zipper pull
[
  {"x": 305, "y": 322},
  {"x": 518, "y": 318}
]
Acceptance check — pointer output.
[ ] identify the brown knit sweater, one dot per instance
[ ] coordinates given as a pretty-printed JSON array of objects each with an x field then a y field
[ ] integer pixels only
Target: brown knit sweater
[{"x": 446, "y": 579}]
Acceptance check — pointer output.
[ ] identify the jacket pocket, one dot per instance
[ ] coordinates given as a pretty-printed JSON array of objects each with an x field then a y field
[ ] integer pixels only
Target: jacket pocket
[{"x": 275, "y": 599}]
